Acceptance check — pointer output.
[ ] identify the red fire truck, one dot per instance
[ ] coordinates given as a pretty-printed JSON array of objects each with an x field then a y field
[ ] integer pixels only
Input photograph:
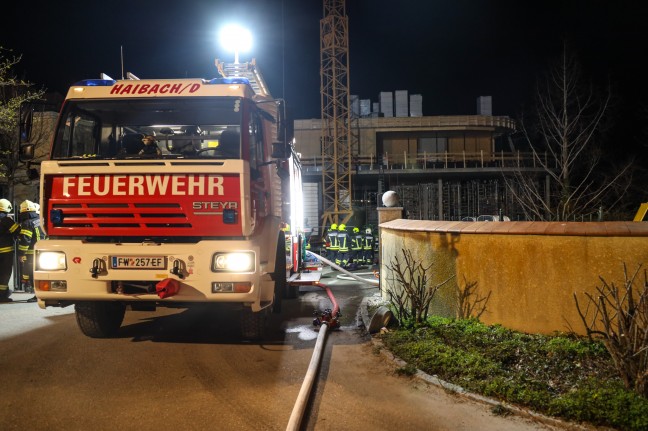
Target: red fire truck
[{"x": 169, "y": 193}]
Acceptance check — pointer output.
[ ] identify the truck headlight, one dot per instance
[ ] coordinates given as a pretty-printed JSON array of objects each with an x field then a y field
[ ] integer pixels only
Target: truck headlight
[
  {"x": 50, "y": 261},
  {"x": 233, "y": 262}
]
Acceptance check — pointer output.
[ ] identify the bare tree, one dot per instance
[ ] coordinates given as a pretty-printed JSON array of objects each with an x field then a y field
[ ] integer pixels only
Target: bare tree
[
  {"x": 565, "y": 142},
  {"x": 411, "y": 290},
  {"x": 618, "y": 315},
  {"x": 13, "y": 93}
]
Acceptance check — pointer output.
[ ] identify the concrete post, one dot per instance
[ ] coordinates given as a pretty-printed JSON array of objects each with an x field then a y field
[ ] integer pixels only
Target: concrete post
[{"x": 385, "y": 214}]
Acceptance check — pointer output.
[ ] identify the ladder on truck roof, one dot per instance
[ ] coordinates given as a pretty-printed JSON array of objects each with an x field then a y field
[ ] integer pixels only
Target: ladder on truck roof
[{"x": 245, "y": 70}]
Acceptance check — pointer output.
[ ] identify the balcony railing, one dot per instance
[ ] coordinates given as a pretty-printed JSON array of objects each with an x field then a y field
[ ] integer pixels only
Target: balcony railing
[{"x": 446, "y": 160}]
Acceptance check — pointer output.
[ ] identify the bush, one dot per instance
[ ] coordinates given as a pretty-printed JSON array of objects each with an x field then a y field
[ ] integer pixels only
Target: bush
[
  {"x": 561, "y": 375},
  {"x": 410, "y": 293},
  {"x": 619, "y": 316}
]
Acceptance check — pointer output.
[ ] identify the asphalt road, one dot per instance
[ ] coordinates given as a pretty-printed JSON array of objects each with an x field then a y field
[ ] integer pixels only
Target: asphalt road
[{"x": 186, "y": 370}]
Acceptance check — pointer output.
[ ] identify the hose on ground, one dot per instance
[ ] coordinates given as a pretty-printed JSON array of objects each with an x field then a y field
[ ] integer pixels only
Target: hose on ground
[
  {"x": 297, "y": 414},
  {"x": 328, "y": 320},
  {"x": 339, "y": 268}
]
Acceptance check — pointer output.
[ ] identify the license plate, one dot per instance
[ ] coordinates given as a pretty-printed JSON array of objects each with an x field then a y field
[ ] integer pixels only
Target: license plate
[{"x": 137, "y": 262}]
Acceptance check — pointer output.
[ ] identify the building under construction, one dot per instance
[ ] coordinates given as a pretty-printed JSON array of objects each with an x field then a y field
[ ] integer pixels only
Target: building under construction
[{"x": 442, "y": 167}]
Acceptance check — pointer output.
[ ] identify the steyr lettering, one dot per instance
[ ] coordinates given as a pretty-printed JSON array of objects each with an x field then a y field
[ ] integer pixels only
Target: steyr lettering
[{"x": 214, "y": 205}]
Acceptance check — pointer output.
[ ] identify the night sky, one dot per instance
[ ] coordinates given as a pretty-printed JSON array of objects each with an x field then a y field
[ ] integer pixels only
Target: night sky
[{"x": 451, "y": 52}]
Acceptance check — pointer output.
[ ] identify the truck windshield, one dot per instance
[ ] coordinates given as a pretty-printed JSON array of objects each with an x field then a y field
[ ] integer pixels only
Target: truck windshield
[{"x": 145, "y": 128}]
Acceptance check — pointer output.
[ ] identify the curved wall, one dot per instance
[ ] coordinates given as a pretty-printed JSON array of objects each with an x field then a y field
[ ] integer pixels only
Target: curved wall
[{"x": 532, "y": 269}]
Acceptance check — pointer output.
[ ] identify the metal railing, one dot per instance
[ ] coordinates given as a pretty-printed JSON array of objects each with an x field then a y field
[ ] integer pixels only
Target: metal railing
[{"x": 445, "y": 160}]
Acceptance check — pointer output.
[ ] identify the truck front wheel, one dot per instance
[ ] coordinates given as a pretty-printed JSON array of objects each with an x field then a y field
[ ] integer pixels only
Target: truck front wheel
[{"x": 99, "y": 319}]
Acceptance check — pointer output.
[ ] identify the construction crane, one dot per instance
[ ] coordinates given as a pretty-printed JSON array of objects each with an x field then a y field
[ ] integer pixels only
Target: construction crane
[{"x": 338, "y": 141}]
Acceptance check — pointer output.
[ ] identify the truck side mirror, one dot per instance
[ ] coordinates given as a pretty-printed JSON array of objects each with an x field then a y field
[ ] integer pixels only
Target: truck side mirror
[{"x": 26, "y": 152}]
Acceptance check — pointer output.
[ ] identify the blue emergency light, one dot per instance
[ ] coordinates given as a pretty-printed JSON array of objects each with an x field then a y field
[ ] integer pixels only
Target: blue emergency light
[
  {"x": 231, "y": 81},
  {"x": 95, "y": 83}
]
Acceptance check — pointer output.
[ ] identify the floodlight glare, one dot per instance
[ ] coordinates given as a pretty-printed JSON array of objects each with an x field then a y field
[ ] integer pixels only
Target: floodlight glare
[{"x": 237, "y": 39}]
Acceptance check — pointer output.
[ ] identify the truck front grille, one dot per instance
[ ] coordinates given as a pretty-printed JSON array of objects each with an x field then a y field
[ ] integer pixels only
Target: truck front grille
[{"x": 123, "y": 215}]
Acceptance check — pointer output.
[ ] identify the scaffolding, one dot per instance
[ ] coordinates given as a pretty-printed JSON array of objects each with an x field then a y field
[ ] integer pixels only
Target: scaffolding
[{"x": 457, "y": 200}]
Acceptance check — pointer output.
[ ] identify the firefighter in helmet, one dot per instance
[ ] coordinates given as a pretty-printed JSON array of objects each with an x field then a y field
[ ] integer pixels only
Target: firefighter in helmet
[
  {"x": 332, "y": 241},
  {"x": 9, "y": 231},
  {"x": 30, "y": 232}
]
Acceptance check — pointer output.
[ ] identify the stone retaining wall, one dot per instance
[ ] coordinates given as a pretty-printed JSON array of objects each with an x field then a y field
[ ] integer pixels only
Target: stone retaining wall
[{"x": 532, "y": 269}]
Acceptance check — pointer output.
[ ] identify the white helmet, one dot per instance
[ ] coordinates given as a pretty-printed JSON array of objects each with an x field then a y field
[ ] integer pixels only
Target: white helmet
[
  {"x": 28, "y": 206},
  {"x": 5, "y": 206}
]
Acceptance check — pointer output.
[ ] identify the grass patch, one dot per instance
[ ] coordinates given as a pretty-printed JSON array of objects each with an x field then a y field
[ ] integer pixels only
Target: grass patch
[{"x": 562, "y": 375}]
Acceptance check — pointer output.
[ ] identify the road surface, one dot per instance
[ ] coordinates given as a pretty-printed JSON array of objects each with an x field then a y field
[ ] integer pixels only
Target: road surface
[{"x": 186, "y": 370}]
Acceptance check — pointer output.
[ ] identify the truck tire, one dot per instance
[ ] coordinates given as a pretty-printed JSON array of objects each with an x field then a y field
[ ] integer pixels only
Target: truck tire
[
  {"x": 253, "y": 325},
  {"x": 99, "y": 319}
]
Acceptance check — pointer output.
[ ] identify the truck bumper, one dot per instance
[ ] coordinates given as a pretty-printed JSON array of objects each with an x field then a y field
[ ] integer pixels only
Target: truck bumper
[{"x": 130, "y": 273}]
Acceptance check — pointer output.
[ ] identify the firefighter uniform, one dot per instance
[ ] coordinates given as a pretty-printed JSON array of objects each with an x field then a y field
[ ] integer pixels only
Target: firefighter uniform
[
  {"x": 9, "y": 231},
  {"x": 368, "y": 247},
  {"x": 342, "y": 258},
  {"x": 356, "y": 249},
  {"x": 332, "y": 241},
  {"x": 30, "y": 232}
]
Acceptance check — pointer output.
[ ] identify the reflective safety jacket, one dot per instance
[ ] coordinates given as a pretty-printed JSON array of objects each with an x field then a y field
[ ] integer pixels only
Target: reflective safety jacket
[
  {"x": 343, "y": 240},
  {"x": 9, "y": 231},
  {"x": 356, "y": 244},
  {"x": 368, "y": 242},
  {"x": 30, "y": 232},
  {"x": 332, "y": 236}
]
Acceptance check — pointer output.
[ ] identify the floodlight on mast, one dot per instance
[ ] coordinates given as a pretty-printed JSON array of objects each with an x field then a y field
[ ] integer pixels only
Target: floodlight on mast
[{"x": 235, "y": 38}]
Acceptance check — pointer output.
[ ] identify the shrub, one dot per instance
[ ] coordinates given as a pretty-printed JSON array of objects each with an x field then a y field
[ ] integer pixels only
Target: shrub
[
  {"x": 561, "y": 375},
  {"x": 410, "y": 293},
  {"x": 619, "y": 316}
]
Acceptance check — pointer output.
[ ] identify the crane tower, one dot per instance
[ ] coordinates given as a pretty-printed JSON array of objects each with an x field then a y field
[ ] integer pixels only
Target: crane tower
[{"x": 336, "y": 116}]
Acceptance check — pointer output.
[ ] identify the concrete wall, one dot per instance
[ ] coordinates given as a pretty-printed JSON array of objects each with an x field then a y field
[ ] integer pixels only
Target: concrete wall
[{"x": 532, "y": 268}]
